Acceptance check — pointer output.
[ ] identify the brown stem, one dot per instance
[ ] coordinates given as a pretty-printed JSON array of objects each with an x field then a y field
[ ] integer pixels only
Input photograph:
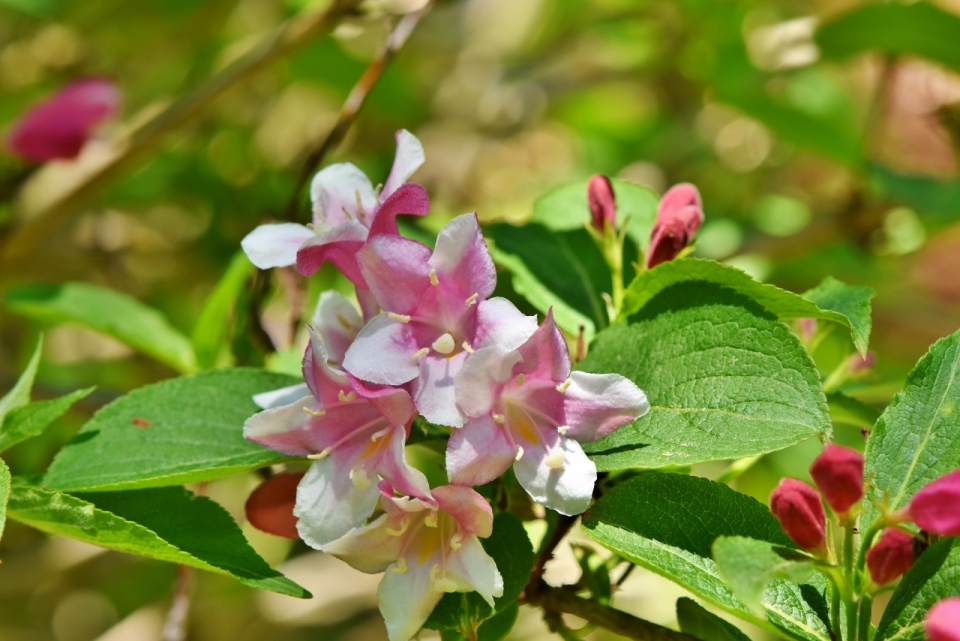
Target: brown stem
[
  {"x": 175, "y": 626},
  {"x": 291, "y": 36},
  {"x": 355, "y": 101},
  {"x": 564, "y": 600},
  {"x": 550, "y": 542}
]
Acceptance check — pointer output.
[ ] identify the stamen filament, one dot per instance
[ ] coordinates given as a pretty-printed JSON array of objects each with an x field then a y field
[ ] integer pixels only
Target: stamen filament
[
  {"x": 472, "y": 300},
  {"x": 322, "y": 455},
  {"x": 403, "y": 318},
  {"x": 466, "y": 347},
  {"x": 319, "y": 412}
]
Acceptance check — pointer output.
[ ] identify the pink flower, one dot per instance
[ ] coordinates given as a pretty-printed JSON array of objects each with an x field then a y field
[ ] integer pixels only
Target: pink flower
[
  {"x": 354, "y": 431},
  {"x": 426, "y": 550},
  {"x": 435, "y": 315},
  {"x": 943, "y": 621},
  {"x": 679, "y": 216},
  {"x": 838, "y": 473},
  {"x": 936, "y": 508},
  {"x": 603, "y": 205},
  {"x": 528, "y": 410},
  {"x": 59, "y": 126},
  {"x": 891, "y": 556},
  {"x": 346, "y": 210},
  {"x": 798, "y": 508}
]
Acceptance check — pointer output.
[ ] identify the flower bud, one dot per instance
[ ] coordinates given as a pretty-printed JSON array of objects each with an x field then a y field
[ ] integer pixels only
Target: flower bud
[
  {"x": 603, "y": 204},
  {"x": 679, "y": 215},
  {"x": 61, "y": 125},
  {"x": 798, "y": 508},
  {"x": 943, "y": 621},
  {"x": 936, "y": 508},
  {"x": 270, "y": 506},
  {"x": 857, "y": 364},
  {"x": 838, "y": 473},
  {"x": 891, "y": 556}
]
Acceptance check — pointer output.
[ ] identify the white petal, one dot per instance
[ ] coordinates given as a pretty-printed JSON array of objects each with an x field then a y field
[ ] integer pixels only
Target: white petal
[
  {"x": 329, "y": 504},
  {"x": 434, "y": 389},
  {"x": 370, "y": 548},
  {"x": 500, "y": 323},
  {"x": 406, "y": 600},
  {"x": 282, "y": 396},
  {"x": 478, "y": 452},
  {"x": 275, "y": 245},
  {"x": 338, "y": 322},
  {"x": 383, "y": 353},
  {"x": 408, "y": 159},
  {"x": 568, "y": 489},
  {"x": 338, "y": 187},
  {"x": 597, "y": 404},
  {"x": 475, "y": 570},
  {"x": 478, "y": 381}
]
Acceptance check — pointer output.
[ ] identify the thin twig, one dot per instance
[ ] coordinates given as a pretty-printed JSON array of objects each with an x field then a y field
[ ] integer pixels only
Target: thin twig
[
  {"x": 175, "y": 626},
  {"x": 551, "y": 540},
  {"x": 355, "y": 101},
  {"x": 291, "y": 36}
]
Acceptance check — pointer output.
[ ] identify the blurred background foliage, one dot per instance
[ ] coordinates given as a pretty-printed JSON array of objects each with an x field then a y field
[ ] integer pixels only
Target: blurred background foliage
[{"x": 822, "y": 135}]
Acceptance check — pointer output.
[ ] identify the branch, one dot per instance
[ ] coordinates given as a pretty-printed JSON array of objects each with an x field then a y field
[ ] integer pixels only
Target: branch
[
  {"x": 355, "y": 101},
  {"x": 551, "y": 540},
  {"x": 564, "y": 600},
  {"x": 175, "y": 626},
  {"x": 293, "y": 35}
]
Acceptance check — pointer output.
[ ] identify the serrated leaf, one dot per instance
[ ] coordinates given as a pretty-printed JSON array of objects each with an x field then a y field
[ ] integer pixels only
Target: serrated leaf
[
  {"x": 667, "y": 524},
  {"x": 934, "y": 576},
  {"x": 847, "y": 305},
  {"x": 917, "y": 438},
  {"x": 4, "y": 494},
  {"x": 748, "y": 566},
  {"x": 181, "y": 430},
  {"x": 844, "y": 409},
  {"x": 169, "y": 524},
  {"x": 108, "y": 312},
  {"x": 19, "y": 394},
  {"x": 31, "y": 420},
  {"x": 724, "y": 378},
  {"x": 696, "y": 621},
  {"x": 512, "y": 551},
  {"x": 210, "y": 331}
]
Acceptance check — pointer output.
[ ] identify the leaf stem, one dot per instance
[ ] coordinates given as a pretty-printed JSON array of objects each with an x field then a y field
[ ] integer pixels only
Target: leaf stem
[{"x": 866, "y": 612}]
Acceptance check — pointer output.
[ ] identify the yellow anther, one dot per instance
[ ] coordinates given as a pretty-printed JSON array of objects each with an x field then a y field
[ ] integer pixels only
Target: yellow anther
[
  {"x": 434, "y": 571},
  {"x": 404, "y": 524},
  {"x": 361, "y": 213},
  {"x": 431, "y": 520},
  {"x": 563, "y": 428},
  {"x": 444, "y": 585},
  {"x": 376, "y": 435},
  {"x": 520, "y": 379},
  {"x": 562, "y": 387},
  {"x": 344, "y": 322},
  {"x": 456, "y": 541},
  {"x": 400, "y": 566},
  {"x": 420, "y": 353},
  {"x": 376, "y": 193},
  {"x": 472, "y": 300},
  {"x": 466, "y": 347},
  {"x": 311, "y": 412},
  {"x": 499, "y": 418},
  {"x": 433, "y": 278},
  {"x": 346, "y": 398},
  {"x": 322, "y": 455},
  {"x": 311, "y": 226},
  {"x": 554, "y": 459},
  {"x": 519, "y": 453},
  {"x": 359, "y": 478},
  {"x": 403, "y": 318},
  {"x": 444, "y": 344}
]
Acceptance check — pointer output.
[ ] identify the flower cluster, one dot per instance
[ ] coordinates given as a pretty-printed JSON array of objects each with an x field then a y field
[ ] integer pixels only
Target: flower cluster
[{"x": 430, "y": 341}]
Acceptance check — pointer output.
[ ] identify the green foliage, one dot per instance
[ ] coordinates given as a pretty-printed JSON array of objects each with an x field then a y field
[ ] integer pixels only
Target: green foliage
[
  {"x": 19, "y": 394},
  {"x": 699, "y": 622},
  {"x": 181, "y": 430},
  {"x": 845, "y": 409},
  {"x": 210, "y": 334},
  {"x": 851, "y": 302},
  {"x": 934, "y": 576},
  {"x": 4, "y": 494},
  {"x": 725, "y": 379},
  {"x": 159, "y": 523},
  {"x": 748, "y": 566},
  {"x": 109, "y": 312},
  {"x": 917, "y": 438},
  {"x": 31, "y": 420}
]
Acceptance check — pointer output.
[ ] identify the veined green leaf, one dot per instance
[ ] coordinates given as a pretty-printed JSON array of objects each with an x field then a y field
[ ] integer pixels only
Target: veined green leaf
[
  {"x": 30, "y": 420},
  {"x": 181, "y": 430},
  {"x": 4, "y": 494},
  {"x": 19, "y": 394},
  {"x": 109, "y": 312},
  {"x": 852, "y": 302},
  {"x": 210, "y": 332},
  {"x": 169, "y": 524},
  {"x": 844, "y": 409},
  {"x": 697, "y": 621},
  {"x": 748, "y": 566},
  {"x": 725, "y": 379}
]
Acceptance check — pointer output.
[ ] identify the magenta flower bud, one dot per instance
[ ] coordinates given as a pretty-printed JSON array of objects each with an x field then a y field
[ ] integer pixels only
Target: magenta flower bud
[
  {"x": 603, "y": 204},
  {"x": 943, "y": 621},
  {"x": 798, "y": 508},
  {"x": 936, "y": 508},
  {"x": 59, "y": 126},
  {"x": 891, "y": 556},
  {"x": 838, "y": 473},
  {"x": 679, "y": 216},
  {"x": 857, "y": 363}
]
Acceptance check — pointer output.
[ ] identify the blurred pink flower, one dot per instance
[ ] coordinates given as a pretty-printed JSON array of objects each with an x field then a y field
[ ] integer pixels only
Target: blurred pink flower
[
  {"x": 798, "y": 508},
  {"x": 58, "y": 127},
  {"x": 679, "y": 216},
  {"x": 943, "y": 621},
  {"x": 603, "y": 205}
]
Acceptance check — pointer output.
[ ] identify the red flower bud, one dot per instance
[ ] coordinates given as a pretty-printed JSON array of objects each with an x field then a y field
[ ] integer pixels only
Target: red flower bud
[
  {"x": 603, "y": 204},
  {"x": 838, "y": 473},
  {"x": 891, "y": 556},
  {"x": 270, "y": 506},
  {"x": 943, "y": 621},
  {"x": 798, "y": 508},
  {"x": 59, "y": 126},
  {"x": 679, "y": 216},
  {"x": 857, "y": 363},
  {"x": 936, "y": 508}
]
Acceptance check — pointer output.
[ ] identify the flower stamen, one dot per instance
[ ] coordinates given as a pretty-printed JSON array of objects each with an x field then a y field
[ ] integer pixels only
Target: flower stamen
[
  {"x": 554, "y": 459},
  {"x": 401, "y": 318},
  {"x": 519, "y": 452},
  {"x": 433, "y": 278},
  {"x": 322, "y": 455},
  {"x": 563, "y": 428},
  {"x": 420, "y": 353},
  {"x": 444, "y": 344},
  {"x": 472, "y": 300},
  {"x": 359, "y": 478},
  {"x": 347, "y": 398},
  {"x": 562, "y": 387},
  {"x": 499, "y": 418},
  {"x": 404, "y": 524},
  {"x": 400, "y": 566},
  {"x": 466, "y": 347},
  {"x": 319, "y": 412}
]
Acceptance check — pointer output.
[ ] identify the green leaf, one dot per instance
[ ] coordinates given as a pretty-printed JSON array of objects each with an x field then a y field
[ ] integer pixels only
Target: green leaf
[
  {"x": 181, "y": 430},
  {"x": 495, "y": 628},
  {"x": 917, "y": 28},
  {"x": 667, "y": 524},
  {"x": 724, "y": 379},
  {"x": 933, "y": 197},
  {"x": 917, "y": 438},
  {"x": 934, "y": 576},
  {"x": 847, "y": 305},
  {"x": 749, "y": 566},
  {"x": 19, "y": 394},
  {"x": 512, "y": 551},
  {"x": 210, "y": 332},
  {"x": 697, "y": 621},
  {"x": 844, "y": 409},
  {"x": 30, "y": 420},
  {"x": 169, "y": 524},
  {"x": 109, "y": 312},
  {"x": 4, "y": 494}
]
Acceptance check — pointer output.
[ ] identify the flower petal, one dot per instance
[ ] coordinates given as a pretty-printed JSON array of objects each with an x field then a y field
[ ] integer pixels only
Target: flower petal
[
  {"x": 597, "y": 404},
  {"x": 479, "y": 381},
  {"x": 339, "y": 245},
  {"x": 545, "y": 354},
  {"x": 472, "y": 569},
  {"x": 397, "y": 271},
  {"x": 434, "y": 390},
  {"x": 275, "y": 245},
  {"x": 478, "y": 452},
  {"x": 338, "y": 322},
  {"x": 282, "y": 396},
  {"x": 467, "y": 506},
  {"x": 286, "y": 429},
  {"x": 393, "y": 467},
  {"x": 567, "y": 489},
  {"x": 409, "y": 158},
  {"x": 410, "y": 198},
  {"x": 462, "y": 261},
  {"x": 676, "y": 198},
  {"x": 341, "y": 187},
  {"x": 325, "y": 382},
  {"x": 369, "y": 549},
  {"x": 500, "y": 323},
  {"x": 383, "y": 353},
  {"x": 329, "y": 504},
  {"x": 406, "y": 600},
  {"x": 394, "y": 403}
]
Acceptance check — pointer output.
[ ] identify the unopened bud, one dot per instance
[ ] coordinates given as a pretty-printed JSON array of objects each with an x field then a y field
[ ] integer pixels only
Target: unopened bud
[
  {"x": 936, "y": 508},
  {"x": 857, "y": 364},
  {"x": 798, "y": 508},
  {"x": 603, "y": 204},
  {"x": 838, "y": 473},
  {"x": 679, "y": 216},
  {"x": 891, "y": 556},
  {"x": 943, "y": 621},
  {"x": 270, "y": 506}
]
